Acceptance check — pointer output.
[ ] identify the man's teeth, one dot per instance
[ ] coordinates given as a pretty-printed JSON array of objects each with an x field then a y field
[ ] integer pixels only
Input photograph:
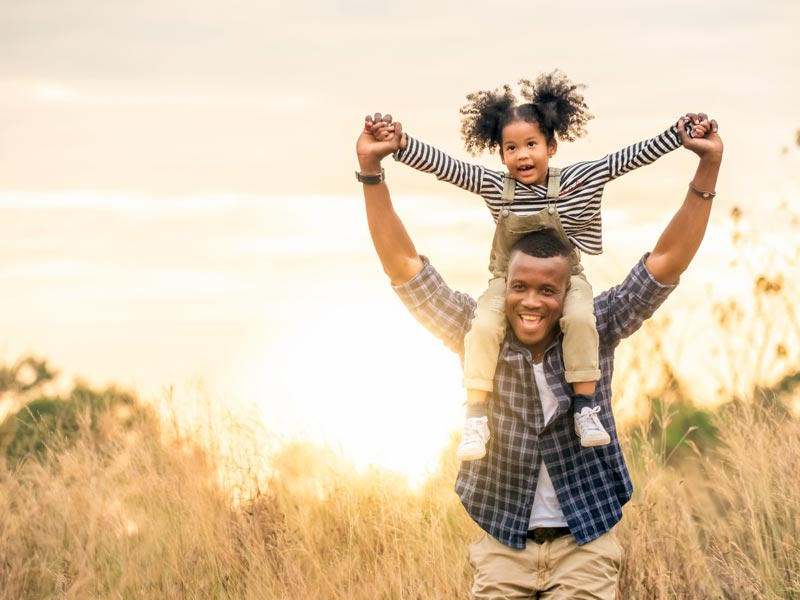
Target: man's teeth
[{"x": 531, "y": 318}]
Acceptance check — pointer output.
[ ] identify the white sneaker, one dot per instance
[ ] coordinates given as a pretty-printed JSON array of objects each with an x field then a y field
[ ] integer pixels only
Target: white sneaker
[
  {"x": 473, "y": 439},
  {"x": 589, "y": 428}
]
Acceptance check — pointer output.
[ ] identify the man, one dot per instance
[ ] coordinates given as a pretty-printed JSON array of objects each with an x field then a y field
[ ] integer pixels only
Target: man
[{"x": 548, "y": 505}]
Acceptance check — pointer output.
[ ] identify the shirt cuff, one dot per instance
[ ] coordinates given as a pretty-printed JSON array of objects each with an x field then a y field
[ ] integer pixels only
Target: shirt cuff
[
  {"x": 401, "y": 152},
  {"x": 675, "y": 134},
  {"x": 421, "y": 287},
  {"x": 651, "y": 288}
]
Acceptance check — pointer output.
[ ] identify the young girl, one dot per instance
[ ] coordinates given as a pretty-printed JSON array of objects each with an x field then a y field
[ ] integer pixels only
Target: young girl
[{"x": 529, "y": 196}]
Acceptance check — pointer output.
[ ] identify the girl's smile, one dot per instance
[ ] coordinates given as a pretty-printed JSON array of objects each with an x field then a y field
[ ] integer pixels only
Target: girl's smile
[{"x": 526, "y": 152}]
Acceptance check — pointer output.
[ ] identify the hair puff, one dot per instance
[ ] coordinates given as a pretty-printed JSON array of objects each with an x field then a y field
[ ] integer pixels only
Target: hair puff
[
  {"x": 560, "y": 104},
  {"x": 482, "y": 118}
]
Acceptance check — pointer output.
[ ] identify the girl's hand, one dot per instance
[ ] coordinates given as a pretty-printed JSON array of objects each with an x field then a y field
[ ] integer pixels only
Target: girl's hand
[
  {"x": 384, "y": 129},
  {"x": 379, "y": 138},
  {"x": 699, "y": 124},
  {"x": 380, "y": 126},
  {"x": 704, "y": 139}
]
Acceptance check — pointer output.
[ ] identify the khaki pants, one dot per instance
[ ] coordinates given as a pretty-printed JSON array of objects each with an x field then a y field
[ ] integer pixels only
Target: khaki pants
[{"x": 552, "y": 570}]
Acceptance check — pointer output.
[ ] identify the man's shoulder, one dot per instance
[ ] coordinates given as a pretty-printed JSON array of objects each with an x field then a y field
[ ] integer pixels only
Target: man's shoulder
[
  {"x": 427, "y": 283},
  {"x": 445, "y": 312},
  {"x": 640, "y": 280},
  {"x": 620, "y": 310}
]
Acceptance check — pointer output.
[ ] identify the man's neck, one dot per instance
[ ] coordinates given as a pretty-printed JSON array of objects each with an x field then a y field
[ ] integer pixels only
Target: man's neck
[{"x": 538, "y": 351}]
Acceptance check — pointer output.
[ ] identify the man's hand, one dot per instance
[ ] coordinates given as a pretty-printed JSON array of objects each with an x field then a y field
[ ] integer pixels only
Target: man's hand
[
  {"x": 381, "y": 127},
  {"x": 704, "y": 139},
  {"x": 379, "y": 138},
  {"x": 385, "y": 130}
]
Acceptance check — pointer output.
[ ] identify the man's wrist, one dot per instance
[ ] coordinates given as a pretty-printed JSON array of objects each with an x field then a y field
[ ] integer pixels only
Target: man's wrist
[
  {"x": 369, "y": 165},
  {"x": 711, "y": 159},
  {"x": 704, "y": 194},
  {"x": 369, "y": 178}
]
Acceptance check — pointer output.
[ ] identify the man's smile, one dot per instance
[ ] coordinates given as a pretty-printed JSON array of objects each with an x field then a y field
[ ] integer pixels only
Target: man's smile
[{"x": 530, "y": 322}]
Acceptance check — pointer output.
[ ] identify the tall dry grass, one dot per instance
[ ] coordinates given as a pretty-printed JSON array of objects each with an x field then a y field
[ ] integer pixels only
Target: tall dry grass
[
  {"x": 722, "y": 523},
  {"x": 146, "y": 514}
]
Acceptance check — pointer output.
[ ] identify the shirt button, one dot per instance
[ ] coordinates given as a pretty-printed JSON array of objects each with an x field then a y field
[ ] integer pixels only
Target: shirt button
[{"x": 504, "y": 212}]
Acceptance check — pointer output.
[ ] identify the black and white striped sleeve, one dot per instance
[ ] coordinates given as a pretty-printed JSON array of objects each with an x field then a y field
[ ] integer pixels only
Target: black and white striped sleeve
[
  {"x": 428, "y": 159},
  {"x": 643, "y": 153}
]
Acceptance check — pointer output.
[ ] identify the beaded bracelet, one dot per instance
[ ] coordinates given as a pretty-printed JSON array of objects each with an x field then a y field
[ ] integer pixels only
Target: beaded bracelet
[{"x": 701, "y": 193}]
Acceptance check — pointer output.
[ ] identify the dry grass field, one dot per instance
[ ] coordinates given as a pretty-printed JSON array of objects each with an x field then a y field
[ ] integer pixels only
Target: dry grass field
[{"x": 137, "y": 510}]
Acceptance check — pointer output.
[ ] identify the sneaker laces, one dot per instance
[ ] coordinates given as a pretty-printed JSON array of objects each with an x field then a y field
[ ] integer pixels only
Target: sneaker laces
[
  {"x": 475, "y": 429},
  {"x": 587, "y": 419}
]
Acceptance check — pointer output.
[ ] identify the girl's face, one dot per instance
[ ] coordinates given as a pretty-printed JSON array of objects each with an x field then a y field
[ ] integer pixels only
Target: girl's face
[{"x": 525, "y": 152}]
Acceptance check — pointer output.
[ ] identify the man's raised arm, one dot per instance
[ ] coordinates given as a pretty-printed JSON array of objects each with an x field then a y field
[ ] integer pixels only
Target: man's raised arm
[
  {"x": 391, "y": 240},
  {"x": 680, "y": 240}
]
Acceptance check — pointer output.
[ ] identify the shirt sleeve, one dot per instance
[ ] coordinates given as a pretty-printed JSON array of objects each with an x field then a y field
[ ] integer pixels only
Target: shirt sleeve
[
  {"x": 642, "y": 153},
  {"x": 428, "y": 159},
  {"x": 446, "y": 313},
  {"x": 621, "y": 310}
]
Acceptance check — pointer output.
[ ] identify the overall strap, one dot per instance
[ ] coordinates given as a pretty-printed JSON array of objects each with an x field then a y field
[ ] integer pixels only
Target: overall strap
[
  {"x": 553, "y": 186},
  {"x": 553, "y": 182},
  {"x": 509, "y": 183}
]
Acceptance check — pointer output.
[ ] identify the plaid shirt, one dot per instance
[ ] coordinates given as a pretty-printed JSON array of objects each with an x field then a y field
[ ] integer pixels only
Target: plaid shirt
[{"x": 592, "y": 484}]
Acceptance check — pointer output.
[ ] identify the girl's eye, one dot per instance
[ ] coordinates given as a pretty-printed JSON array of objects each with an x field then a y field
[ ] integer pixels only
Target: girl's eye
[
  {"x": 510, "y": 148},
  {"x": 531, "y": 144}
]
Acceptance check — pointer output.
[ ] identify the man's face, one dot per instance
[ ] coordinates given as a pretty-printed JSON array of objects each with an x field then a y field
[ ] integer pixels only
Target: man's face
[{"x": 535, "y": 292}]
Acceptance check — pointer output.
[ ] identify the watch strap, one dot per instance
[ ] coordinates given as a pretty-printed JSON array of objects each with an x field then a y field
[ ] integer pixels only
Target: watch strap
[{"x": 371, "y": 179}]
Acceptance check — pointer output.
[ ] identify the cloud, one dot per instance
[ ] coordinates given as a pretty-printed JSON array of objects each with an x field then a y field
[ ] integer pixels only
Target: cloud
[{"x": 47, "y": 92}]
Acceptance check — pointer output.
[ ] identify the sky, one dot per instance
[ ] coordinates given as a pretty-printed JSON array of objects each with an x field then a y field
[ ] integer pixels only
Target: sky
[
  {"x": 264, "y": 97},
  {"x": 178, "y": 206}
]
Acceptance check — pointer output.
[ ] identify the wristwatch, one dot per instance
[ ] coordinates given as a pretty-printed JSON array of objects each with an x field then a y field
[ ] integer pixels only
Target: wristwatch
[{"x": 371, "y": 179}]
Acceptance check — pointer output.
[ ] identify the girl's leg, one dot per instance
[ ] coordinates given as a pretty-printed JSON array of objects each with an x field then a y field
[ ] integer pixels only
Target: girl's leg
[
  {"x": 583, "y": 394},
  {"x": 581, "y": 347},
  {"x": 481, "y": 349},
  {"x": 482, "y": 342},
  {"x": 581, "y": 342}
]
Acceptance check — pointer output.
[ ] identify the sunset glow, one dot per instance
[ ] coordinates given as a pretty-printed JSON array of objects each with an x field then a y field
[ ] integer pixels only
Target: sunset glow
[{"x": 177, "y": 200}]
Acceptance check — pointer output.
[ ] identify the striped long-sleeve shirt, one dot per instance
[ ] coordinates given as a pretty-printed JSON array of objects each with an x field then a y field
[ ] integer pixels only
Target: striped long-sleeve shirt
[{"x": 581, "y": 184}]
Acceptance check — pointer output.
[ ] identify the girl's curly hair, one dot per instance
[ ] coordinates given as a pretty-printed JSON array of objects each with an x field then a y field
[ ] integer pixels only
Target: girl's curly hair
[{"x": 554, "y": 103}]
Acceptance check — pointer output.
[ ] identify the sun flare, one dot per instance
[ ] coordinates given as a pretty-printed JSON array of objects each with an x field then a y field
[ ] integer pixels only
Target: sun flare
[{"x": 374, "y": 386}]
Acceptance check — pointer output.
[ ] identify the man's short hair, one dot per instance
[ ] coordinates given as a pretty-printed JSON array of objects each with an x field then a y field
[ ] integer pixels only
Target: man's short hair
[{"x": 544, "y": 243}]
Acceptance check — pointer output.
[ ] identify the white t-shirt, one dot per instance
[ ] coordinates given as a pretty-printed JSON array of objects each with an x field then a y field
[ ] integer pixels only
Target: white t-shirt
[{"x": 546, "y": 510}]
